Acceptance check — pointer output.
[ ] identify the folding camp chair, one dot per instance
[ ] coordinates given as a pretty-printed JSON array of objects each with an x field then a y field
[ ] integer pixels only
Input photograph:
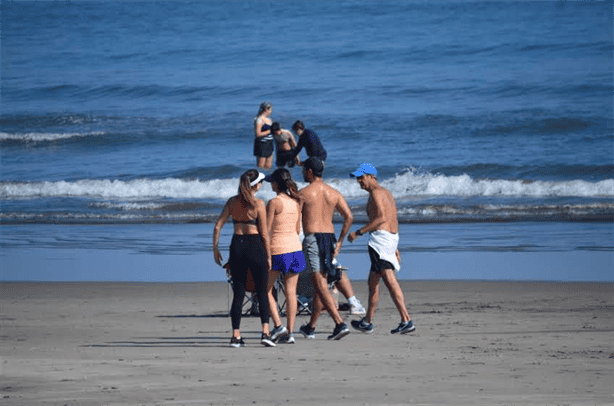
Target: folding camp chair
[
  {"x": 250, "y": 302},
  {"x": 304, "y": 294},
  {"x": 305, "y": 291}
]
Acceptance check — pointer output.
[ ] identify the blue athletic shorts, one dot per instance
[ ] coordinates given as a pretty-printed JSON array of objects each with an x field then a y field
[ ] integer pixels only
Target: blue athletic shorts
[{"x": 290, "y": 262}]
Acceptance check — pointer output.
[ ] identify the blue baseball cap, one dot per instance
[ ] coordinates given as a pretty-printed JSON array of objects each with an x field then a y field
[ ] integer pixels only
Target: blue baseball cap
[{"x": 364, "y": 169}]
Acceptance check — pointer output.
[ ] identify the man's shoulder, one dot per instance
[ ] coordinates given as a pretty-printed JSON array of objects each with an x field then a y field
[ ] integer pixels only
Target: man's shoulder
[
  {"x": 332, "y": 195},
  {"x": 318, "y": 188},
  {"x": 305, "y": 188},
  {"x": 306, "y": 191},
  {"x": 309, "y": 133},
  {"x": 379, "y": 191},
  {"x": 311, "y": 188},
  {"x": 331, "y": 190},
  {"x": 382, "y": 196}
]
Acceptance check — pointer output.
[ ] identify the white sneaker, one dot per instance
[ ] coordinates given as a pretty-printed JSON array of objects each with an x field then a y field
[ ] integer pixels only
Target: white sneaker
[{"x": 356, "y": 308}]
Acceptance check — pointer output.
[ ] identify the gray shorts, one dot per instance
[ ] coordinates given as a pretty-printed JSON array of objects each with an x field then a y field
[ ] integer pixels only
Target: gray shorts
[{"x": 311, "y": 253}]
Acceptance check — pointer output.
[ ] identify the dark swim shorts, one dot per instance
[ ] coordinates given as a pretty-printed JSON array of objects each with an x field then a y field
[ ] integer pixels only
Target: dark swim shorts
[
  {"x": 285, "y": 158},
  {"x": 378, "y": 264},
  {"x": 263, "y": 149}
]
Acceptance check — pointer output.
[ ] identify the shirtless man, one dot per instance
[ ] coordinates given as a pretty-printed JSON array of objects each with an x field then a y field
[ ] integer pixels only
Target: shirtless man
[
  {"x": 320, "y": 246},
  {"x": 284, "y": 144},
  {"x": 385, "y": 257}
]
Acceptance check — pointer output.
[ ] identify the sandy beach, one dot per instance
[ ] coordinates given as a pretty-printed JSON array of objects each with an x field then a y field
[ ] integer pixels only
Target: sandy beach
[{"x": 490, "y": 343}]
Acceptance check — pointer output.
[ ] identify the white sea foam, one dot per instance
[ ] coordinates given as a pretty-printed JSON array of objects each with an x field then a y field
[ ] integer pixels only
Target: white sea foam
[
  {"x": 129, "y": 206},
  {"x": 405, "y": 185},
  {"x": 40, "y": 137},
  {"x": 410, "y": 184},
  {"x": 116, "y": 189}
]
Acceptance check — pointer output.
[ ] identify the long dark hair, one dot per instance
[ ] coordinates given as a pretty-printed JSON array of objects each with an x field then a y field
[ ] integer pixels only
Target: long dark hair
[
  {"x": 245, "y": 188},
  {"x": 284, "y": 181}
]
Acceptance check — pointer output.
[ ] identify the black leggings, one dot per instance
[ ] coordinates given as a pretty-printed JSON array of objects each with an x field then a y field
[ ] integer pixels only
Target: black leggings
[{"x": 247, "y": 251}]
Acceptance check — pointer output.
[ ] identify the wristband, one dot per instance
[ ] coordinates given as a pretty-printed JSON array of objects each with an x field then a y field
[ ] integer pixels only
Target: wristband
[{"x": 358, "y": 232}]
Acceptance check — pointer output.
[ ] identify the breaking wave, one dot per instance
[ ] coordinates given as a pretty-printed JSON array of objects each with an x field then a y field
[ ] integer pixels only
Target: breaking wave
[{"x": 406, "y": 185}]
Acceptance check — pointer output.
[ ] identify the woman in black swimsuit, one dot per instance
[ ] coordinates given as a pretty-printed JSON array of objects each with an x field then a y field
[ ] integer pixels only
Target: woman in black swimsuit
[
  {"x": 249, "y": 249},
  {"x": 263, "y": 143}
]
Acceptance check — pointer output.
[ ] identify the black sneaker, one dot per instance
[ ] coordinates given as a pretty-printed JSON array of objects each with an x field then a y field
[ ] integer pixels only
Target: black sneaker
[
  {"x": 307, "y": 331},
  {"x": 363, "y": 326},
  {"x": 278, "y": 332},
  {"x": 287, "y": 339},
  {"x": 237, "y": 342},
  {"x": 340, "y": 331},
  {"x": 265, "y": 340},
  {"x": 404, "y": 327}
]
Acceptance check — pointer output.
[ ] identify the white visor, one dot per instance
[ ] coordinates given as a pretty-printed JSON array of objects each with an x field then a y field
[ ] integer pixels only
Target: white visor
[{"x": 259, "y": 179}]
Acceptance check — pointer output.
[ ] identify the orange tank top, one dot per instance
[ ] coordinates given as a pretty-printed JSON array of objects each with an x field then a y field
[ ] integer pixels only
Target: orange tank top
[{"x": 284, "y": 238}]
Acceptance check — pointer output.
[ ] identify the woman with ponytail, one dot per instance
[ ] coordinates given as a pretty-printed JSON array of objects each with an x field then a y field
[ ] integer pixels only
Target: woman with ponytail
[
  {"x": 284, "y": 226},
  {"x": 249, "y": 249}
]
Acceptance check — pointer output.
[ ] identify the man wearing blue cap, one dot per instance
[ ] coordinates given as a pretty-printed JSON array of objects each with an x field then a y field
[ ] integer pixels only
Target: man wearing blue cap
[{"x": 383, "y": 227}]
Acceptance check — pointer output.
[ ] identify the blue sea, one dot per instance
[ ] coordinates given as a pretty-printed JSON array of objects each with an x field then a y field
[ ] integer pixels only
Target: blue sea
[{"x": 125, "y": 126}]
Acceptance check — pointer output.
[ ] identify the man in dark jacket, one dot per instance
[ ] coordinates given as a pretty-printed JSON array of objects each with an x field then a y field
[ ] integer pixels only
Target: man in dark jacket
[{"x": 309, "y": 140}]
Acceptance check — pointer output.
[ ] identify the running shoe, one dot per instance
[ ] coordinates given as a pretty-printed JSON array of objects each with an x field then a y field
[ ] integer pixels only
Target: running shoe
[
  {"x": 287, "y": 339},
  {"x": 237, "y": 342},
  {"x": 265, "y": 340},
  {"x": 278, "y": 332},
  {"x": 340, "y": 331},
  {"x": 356, "y": 308},
  {"x": 363, "y": 326},
  {"x": 404, "y": 327},
  {"x": 308, "y": 331}
]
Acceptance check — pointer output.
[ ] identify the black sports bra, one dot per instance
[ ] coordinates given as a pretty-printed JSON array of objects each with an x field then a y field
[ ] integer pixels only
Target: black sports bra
[{"x": 252, "y": 221}]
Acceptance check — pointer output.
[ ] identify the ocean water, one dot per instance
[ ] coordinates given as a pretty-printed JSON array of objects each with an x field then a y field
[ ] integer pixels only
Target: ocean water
[{"x": 124, "y": 125}]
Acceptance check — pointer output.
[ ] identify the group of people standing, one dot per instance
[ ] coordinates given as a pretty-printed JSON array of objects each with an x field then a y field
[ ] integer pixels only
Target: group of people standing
[
  {"x": 269, "y": 136},
  {"x": 266, "y": 242}
]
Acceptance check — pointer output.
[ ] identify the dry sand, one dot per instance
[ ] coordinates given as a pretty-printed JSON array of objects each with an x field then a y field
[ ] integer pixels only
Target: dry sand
[{"x": 491, "y": 343}]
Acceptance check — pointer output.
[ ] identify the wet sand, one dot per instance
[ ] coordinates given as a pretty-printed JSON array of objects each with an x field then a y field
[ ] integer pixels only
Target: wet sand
[{"x": 486, "y": 343}]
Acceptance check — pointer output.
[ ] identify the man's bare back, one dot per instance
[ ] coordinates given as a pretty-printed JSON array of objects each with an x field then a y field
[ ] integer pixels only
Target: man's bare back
[{"x": 319, "y": 203}]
